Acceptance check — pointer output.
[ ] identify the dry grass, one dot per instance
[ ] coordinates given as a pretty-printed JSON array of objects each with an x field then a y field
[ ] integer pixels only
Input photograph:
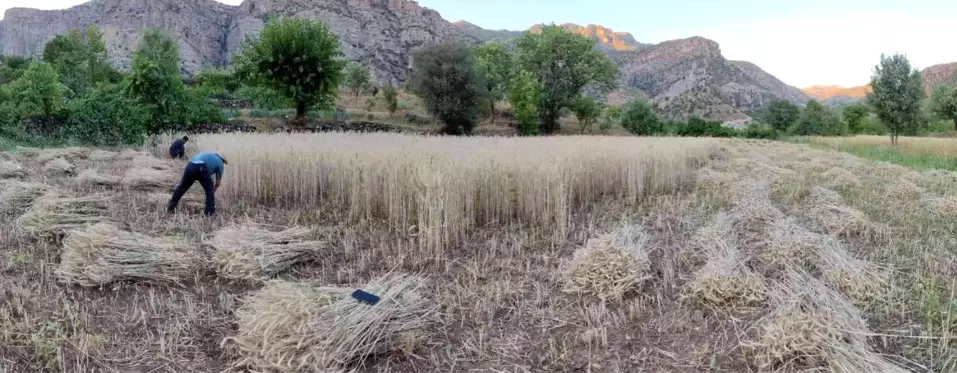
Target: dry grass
[
  {"x": 143, "y": 178},
  {"x": 150, "y": 162},
  {"x": 609, "y": 266},
  {"x": 296, "y": 327},
  {"x": 92, "y": 177},
  {"x": 445, "y": 187},
  {"x": 98, "y": 155},
  {"x": 725, "y": 280},
  {"x": 250, "y": 252},
  {"x": 46, "y": 155},
  {"x": 102, "y": 254},
  {"x": 56, "y": 213},
  {"x": 11, "y": 169},
  {"x": 19, "y": 195},
  {"x": 840, "y": 178},
  {"x": 59, "y": 166}
]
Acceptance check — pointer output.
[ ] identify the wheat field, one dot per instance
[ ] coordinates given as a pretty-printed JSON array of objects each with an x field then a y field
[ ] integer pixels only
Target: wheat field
[{"x": 561, "y": 254}]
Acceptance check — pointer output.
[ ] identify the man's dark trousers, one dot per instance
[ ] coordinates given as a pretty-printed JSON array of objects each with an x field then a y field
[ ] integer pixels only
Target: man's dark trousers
[{"x": 195, "y": 172}]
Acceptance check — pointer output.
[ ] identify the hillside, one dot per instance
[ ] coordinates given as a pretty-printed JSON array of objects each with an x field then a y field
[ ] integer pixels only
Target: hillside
[
  {"x": 932, "y": 77},
  {"x": 936, "y": 75},
  {"x": 381, "y": 33}
]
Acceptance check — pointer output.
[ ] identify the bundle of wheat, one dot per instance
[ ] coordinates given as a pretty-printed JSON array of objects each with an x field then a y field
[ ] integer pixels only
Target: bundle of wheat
[
  {"x": 295, "y": 327},
  {"x": 55, "y": 213},
  {"x": 102, "y": 253},
  {"x": 66, "y": 153},
  {"x": 859, "y": 279},
  {"x": 789, "y": 244},
  {"x": 940, "y": 206},
  {"x": 130, "y": 154},
  {"x": 902, "y": 189},
  {"x": 11, "y": 169},
  {"x": 91, "y": 177},
  {"x": 725, "y": 280},
  {"x": 845, "y": 221},
  {"x": 814, "y": 328},
  {"x": 148, "y": 178},
  {"x": 146, "y": 161},
  {"x": 251, "y": 253},
  {"x": 59, "y": 166},
  {"x": 821, "y": 196},
  {"x": 609, "y": 266},
  {"x": 102, "y": 155},
  {"x": 840, "y": 178},
  {"x": 714, "y": 182},
  {"x": 18, "y": 195}
]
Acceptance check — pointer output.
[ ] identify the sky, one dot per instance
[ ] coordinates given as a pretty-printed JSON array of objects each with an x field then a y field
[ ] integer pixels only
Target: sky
[{"x": 802, "y": 42}]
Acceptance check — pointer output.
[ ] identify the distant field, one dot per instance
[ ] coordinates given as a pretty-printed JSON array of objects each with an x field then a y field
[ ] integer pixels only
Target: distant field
[{"x": 918, "y": 152}]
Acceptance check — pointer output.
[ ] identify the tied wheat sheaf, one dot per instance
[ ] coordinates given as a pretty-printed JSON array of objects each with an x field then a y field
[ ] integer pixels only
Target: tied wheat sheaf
[
  {"x": 249, "y": 252},
  {"x": 609, "y": 266},
  {"x": 55, "y": 213},
  {"x": 297, "y": 327}
]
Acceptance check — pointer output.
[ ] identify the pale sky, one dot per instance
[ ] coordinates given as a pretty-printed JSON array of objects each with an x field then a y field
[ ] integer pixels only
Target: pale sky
[{"x": 802, "y": 42}]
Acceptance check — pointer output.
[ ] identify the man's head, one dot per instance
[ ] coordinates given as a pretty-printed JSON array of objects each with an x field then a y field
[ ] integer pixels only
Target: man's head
[
  {"x": 222, "y": 158},
  {"x": 186, "y": 138}
]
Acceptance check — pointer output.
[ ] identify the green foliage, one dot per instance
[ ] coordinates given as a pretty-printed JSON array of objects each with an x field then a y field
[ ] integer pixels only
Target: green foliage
[
  {"x": 896, "y": 96},
  {"x": 299, "y": 58},
  {"x": 834, "y": 126},
  {"x": 194, "y": 107},
  {"x": 155, "y": 81},
  {"x": 697, "y": 127},
  {"x": 264, "y": 98},
  {"x": 274, "y": 113},
  {"x": 495, "y": 65},
  {"x": 943, "y": 103},
  {"x": 80, "y": 59},
  {"x": 855, "y": 116},
  {"x": 782, "y": 114},
  {"x": 641, "y": 120},
  {"x": 12, "y": 67},
  {"x": 391, "y": 97},
  {"x": 587, "y": 110},
  {"x": 445, "y": 77},
  {"x": 564, "y": 63},
  {"x": 357, "y": 77},
  {"x": 812, "y": 120},
  {"x": 610, "y": 117},
  {"x": 220, "y": 83},
  {"x": 106, "y": 118},
  {"x": 758, "y": 131},
  {"x": 524, "y": 93},
  {"x": 38, "y": 93}
]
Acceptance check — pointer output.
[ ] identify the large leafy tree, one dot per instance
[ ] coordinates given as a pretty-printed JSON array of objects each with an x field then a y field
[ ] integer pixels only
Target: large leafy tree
[
  {"x": 524, "y": 93},
  {"x": 855, "y": 115},
  {"x": 782, "y": 114},
  {"x": 813, "y": 119},
  {"x": 944, "y": 103},
  {"x": 640, "y": 119},
  {"x": 299, "y": 58},
  {"x": 495, "y": 63},
  {"x": 38, "y": 92},
  {"x": 80, "y": 59},
  {"x": 12, "y": 67},
  {"x": 155, "y": 81},
  {"x": 896, "y": 96},
  {"x": 445, "y": 77},
  {"x": 564, "y": 63}
]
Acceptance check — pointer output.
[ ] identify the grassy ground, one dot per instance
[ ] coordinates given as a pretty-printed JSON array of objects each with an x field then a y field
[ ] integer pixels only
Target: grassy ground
[
  {"x": 569, "y": 254},
  {"x": 916, "y": 152}
]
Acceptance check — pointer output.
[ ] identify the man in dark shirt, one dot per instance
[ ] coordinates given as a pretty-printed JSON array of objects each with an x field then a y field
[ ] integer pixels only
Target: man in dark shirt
[
  {"x": 207, "y": 169},
  {"x": 178, "y": 149}
]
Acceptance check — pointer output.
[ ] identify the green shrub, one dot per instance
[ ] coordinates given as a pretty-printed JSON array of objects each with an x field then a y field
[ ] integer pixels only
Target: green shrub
[
  {"x": 641, "y": 120},
  {"x": 262, "y": 113},
  {"x": 106, "y": 119},
  {"x": 263, "y": 97},
  {"x": 758, "y": 131},
  {"x": 195, "y": 108}
]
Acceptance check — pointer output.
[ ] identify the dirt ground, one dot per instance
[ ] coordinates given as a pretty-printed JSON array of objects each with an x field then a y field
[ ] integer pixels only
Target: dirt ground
[{"x": 778, "y": 258}]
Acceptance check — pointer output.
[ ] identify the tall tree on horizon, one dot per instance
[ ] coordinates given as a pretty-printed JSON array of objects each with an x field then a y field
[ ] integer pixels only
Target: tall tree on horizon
[{"x": 897, "y": 94}]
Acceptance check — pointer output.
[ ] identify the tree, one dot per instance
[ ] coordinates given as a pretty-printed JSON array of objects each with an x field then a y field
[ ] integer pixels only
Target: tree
[
  {"x": 299, "y": 58},
  {"x": 12, "y": 67},
  {"x": 38, "y": 92},
  {"x": 155, "y": 81},
  {"x": 495, "y": 64},
  {"x": 609, "y": 118},
  {"x": 782, "y": 114},
  {"x": 80, "y": 59},
  {"x": 391, "y": 96},
  {"x": 896, "y": 96},
  {"x": 640, "y": 119},
  {"x": 524, "y": 93},
  {"x": 445, "y": 77},
  {"x": 812, "y": 120},
  {"x": 943, "y": 103},
  {"x": 587, "y": 110},
  {"x": 854, "y": 115},
  {"x": 564, "y": 63},
  {"x": 356, "y": 78}
]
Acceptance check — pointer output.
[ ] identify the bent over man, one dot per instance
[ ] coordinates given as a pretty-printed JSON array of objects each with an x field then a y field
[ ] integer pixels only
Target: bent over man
[
  {"x": 203, "y": 167},
  {"x": 178, "y": 149}
]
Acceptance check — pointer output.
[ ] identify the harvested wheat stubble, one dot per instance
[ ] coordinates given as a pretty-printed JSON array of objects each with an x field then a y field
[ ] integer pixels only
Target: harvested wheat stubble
[
  {"x": 903, "y": 189},
  {"x": 148, "y": 178},
  {"x": 102, "y": 253},
  {"x": 859, "y": 279},
  {"x": 840, "y": 178},
  {"x": 19, "y": 195},
  {"x": 789, "y": 244},
  {"x": 59, "y": 166},
  {"x": 100, "y": 155},
  {"x": 130, "y": 154},
  {"x": 190, "y": 201},
  {"x": 845, "y": 221},
  {"x": 92, "y": 177},
  {"x": 146, "y": 161},
  {"x": 11, "y": 169},
  {"x": 940, "y": 206},
  {"x": 609, "y": 266},
  {"x": 66, "y": 153},
  {"x": 813, "y": 327},
  {"x": 822, "y": 196},
  {"x": 55, "y": 213},
  {"x": 296, "y": 327},
  {"x": 251, "y": 253},
  {"x": 725, "y": 280}
]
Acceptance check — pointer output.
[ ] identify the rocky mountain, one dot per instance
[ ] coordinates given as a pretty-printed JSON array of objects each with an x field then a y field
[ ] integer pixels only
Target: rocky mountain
[
  {"x": 482, "y": 35},
  {"x": 827, "y": 92},
  {"x": 690, "y": 77},
  {"x": 939, "y": 75},
  {"x": 932, "y": 77},
  {"x": 380, "y": 33},
  {"x": 607, "y": 38}
]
